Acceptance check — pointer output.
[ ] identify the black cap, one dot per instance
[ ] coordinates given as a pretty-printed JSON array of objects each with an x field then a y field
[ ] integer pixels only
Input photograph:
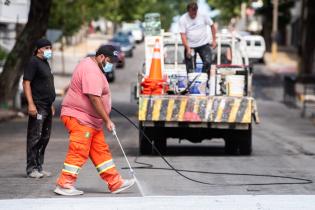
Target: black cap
[
  {"x": 108, "y": 51},
  {"x": 42, "y": 43}
]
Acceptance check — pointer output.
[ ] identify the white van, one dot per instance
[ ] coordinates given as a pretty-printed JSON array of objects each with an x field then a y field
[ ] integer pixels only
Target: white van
[{"x": 255, "y": 47}]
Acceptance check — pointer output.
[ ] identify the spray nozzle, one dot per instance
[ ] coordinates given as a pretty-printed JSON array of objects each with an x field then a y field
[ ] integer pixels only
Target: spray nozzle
[
  {"x": 114, "y": 131},
  {"x": 132, "y": 172}
]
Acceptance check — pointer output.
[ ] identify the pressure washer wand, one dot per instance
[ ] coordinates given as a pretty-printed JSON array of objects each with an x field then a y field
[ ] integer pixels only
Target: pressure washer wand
[{"x": 131, "y": 170}]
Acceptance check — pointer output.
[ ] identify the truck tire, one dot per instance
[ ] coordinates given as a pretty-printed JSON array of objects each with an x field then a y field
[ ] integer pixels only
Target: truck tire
[
  {"x": 160, "y": 142},
  {"x": 245, "y": 142},
  {"x": 145, "y": 145},
  {"x": 231, "y": 146}
]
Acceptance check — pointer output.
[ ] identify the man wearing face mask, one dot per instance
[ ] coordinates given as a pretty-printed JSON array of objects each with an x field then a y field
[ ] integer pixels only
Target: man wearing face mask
[
  {"x": 38, "y": 85},
  {"x": 85, "y": 108}
]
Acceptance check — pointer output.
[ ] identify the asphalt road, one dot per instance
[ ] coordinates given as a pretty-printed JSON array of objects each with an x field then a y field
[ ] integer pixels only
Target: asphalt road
[{"x": 283, "y": 145}]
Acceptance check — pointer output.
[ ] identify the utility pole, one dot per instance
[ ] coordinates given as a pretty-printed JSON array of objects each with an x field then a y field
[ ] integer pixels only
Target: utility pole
[
  {"x": 274, "y": 46},
  {"x": 17, "y": 98},
  {"x": 62, "y": 47}
]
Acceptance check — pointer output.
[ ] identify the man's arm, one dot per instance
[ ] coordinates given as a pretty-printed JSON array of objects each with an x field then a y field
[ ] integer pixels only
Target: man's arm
[
  {"x": 214, "y": 39},
  {"x": 185, "y": 43},
  {"x": 53, "y": 110},
  {"x": 28, "y": 94},
  {"x": 99, "y": 107}
]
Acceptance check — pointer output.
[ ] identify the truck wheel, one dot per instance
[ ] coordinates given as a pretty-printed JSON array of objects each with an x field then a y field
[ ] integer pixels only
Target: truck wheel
[
  {"x": 231, "y": 146},
  {"x": 145, "y": 146},
  {"x": 160, "y": 143},
  {"x": 245, "y": 142}
]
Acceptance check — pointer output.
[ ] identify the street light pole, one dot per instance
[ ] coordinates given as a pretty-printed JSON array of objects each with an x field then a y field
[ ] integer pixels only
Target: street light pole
[{"x": 274, "y": 46}]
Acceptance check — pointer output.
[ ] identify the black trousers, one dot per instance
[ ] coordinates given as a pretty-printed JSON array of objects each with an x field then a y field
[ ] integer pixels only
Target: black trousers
[
  {"x": 204, "y": 52},
  {"x": 38, "y": 134}
]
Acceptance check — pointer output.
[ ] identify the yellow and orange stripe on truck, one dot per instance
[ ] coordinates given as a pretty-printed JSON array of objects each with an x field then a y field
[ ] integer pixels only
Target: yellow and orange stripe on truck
[{"x": 218, "y": 109}]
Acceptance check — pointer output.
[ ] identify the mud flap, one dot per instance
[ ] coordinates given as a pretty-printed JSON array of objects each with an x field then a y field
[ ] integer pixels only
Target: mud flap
[{"x": 255, "y": 112}]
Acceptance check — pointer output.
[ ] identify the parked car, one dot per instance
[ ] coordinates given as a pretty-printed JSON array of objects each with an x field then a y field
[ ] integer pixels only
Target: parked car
[
  {"x": 135, "y": 29},
  {"x": 255, "y": 47},
  {"x": 110, "y": 76},
  {"x": 124, "y": 42},
  {"x": 131, "y": 38}
]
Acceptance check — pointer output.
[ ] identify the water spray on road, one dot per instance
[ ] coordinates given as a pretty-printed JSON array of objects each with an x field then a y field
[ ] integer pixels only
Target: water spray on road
[{"x": 132, "y": 172}]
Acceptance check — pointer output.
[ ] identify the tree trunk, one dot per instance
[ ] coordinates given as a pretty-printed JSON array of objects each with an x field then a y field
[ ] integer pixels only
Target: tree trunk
[
  {"x": 308, "y": 34},
  {"x": 266, "y": 32},
  {"x": 19, "y": 56},
  {"x": 266, "y": 13}
]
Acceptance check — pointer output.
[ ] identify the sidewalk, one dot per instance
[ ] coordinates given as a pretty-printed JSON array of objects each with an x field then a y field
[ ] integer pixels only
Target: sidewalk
[
  {"x": 285, "y": 63},
  {"x": 6, "y": 114},
  {"x": 63, "y": 63}
]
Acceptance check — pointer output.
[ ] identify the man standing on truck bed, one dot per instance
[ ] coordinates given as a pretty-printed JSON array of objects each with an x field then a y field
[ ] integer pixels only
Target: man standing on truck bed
[{"x": 193, "y": 30}]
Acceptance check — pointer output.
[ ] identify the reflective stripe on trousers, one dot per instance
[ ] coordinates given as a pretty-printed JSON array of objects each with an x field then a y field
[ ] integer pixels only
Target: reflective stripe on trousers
[
  {"x": 105, "y": 166},
  {"x": 70, "y": 168}
]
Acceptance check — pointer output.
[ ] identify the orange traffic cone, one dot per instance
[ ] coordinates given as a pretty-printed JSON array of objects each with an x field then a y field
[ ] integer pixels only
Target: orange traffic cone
[
  {"x": 156, "y": 67},
  {"x": 154, "y": 84}
]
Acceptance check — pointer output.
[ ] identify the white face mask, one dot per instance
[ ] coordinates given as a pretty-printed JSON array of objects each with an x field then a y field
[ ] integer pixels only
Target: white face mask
[
  {"x": 108, "y": 67},
  {"x": 47, "y": 54}
]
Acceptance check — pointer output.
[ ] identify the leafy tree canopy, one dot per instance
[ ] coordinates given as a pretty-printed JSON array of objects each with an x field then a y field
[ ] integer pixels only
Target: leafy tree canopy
[
  {"x": 232, "y": 8},
  {"x": 69, "y": 15}
]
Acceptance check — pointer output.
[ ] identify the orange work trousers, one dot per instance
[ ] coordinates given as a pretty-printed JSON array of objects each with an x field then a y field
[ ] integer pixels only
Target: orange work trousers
[{"x": 87, "y": 142}]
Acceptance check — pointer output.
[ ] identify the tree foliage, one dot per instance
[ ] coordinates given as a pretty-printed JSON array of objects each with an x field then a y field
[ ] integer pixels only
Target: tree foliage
[
  {"x": 65, "y": 15},
  {"x": 228, "y": 9},
  {"x": 232, "y": 8},
  {"x": 69, "y": 15},
  {"x": 3, "y": 54}
]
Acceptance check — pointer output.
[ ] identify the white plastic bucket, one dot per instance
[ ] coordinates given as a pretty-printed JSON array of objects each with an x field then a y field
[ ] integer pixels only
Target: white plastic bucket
[
  {"x": 235, "y": 85},
  {"x": 198, "y": 83},
  {"x": 199, "y": 65},
  {"x": 182, "y": 79}
]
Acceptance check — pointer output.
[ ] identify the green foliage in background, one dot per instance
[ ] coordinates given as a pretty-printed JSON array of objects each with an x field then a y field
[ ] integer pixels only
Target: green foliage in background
[
  {"x": 70, "y": 15},
  {"x": 3, "y": 54},
  {"x": 232, "y": 8},
  {"x": 228, "y": 9},
  {"x": 67, "y": 15}
]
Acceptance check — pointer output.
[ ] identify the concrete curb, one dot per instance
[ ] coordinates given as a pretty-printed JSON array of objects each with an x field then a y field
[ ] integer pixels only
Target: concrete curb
[{"x": 235, "y": 202}]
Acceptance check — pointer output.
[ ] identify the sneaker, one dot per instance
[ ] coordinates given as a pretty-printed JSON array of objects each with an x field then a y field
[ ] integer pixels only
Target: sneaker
[
  {"x": 45, "y": 173},
  {"x": 127, "y": 184},
  {"x": 67, "y": 191},
  {"x": 35, "y": 174}
]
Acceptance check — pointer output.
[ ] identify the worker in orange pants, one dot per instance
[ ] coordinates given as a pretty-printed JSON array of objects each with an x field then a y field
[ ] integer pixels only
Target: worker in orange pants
[
  {"x": 85, "y": 110},
  {"x": 87, "y": 142}
]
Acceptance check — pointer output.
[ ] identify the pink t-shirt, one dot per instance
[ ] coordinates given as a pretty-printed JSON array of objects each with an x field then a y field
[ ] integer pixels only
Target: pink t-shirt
[{"x": 87, "y": 79}]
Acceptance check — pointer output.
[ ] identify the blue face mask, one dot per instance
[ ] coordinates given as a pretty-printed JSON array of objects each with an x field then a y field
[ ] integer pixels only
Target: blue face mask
[
  {"x": 47, "y": 54},
  {"x": 108, "y": 67}
]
